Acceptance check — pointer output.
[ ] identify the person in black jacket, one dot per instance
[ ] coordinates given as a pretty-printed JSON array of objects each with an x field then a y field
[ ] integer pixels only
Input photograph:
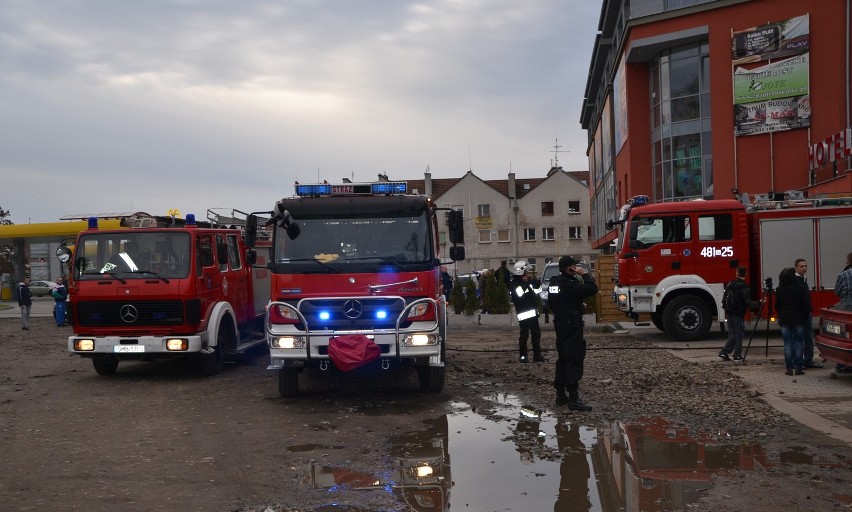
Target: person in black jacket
[
  {"x": 25, "y": 301},
  {"x": 793, "y": 308},
  {"x": 565, "y": 294},
  {"x": 525, "y": 289},
  {"x": 735, "y": 315},
  {"x": 801, "y": 268}
]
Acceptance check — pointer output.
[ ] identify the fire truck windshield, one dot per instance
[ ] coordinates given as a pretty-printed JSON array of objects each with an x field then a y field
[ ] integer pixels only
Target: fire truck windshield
[
  {"x": 401, "y": 240},
  {"x": 132, "y": 255}
]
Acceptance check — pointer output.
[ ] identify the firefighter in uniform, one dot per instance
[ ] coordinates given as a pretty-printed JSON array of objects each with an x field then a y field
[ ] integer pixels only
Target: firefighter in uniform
[
  {"x": 524, "y": 290},
  {"x": 566, "y": 292}
]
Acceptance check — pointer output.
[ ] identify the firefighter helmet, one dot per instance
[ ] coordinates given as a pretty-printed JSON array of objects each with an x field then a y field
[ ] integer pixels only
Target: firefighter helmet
[{"x": 521, "y": 267}]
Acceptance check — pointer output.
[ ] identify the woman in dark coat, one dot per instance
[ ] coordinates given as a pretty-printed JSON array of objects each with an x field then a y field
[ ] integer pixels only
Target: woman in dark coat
[{"x": 792, "y": 304}]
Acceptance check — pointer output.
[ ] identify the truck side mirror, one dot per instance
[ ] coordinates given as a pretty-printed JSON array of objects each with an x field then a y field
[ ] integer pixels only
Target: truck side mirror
[
  {"x": 63, "y": 254},
  {"x": 251, "y": 256},
  {"x": 456, "y": 253},
  {"x": 251, "y": 230},
  {"x": 455, "y": 223}
]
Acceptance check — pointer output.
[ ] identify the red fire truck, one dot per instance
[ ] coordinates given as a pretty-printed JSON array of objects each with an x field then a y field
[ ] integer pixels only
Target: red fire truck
[
  {"x": 165, "y": 288},
  {"x": 674, "y": 259},
  {"x": 358, "y": 259}
]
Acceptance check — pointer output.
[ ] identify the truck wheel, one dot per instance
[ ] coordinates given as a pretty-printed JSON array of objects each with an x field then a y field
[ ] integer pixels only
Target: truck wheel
[
  {"x": 288, "y": 382},
  {"x": 211, "y": 363},
  {"x": 687, "y": 318},
  {"x": 431, "y": 378},
  {"x": 105, "y": 365},
  {"x": 657, "y": 320}
]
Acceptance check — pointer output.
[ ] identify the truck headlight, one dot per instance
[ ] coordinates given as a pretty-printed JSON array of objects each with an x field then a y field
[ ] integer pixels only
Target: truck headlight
[
  {"x": 288, "y": 342},
  {"x": 420, "y": 340},
  {"x": 177, "y": 345},
  {"x": 622, "y": 300},
  {"x": 84, "y": 345}
]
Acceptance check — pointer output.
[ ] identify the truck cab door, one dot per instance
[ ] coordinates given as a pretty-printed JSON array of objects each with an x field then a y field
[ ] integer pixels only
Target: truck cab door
[
  {"x": 659, "y": 246},
  {"x": 719, "y": 247}
]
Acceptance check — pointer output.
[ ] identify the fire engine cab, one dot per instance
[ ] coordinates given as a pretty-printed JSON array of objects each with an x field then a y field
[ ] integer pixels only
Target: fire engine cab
[
  {"x": 165, "y": 288},
  {"x": 674, "y": 259},
  {"x": 358, "y": 259}
]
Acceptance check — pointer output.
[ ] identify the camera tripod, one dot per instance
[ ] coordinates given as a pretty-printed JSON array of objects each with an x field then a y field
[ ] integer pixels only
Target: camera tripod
[{"x": 765, "y": 301}]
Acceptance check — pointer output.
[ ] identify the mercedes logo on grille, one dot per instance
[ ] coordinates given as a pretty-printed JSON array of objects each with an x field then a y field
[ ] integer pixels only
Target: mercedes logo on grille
[
  {"x": 352, "y": 309},
  {"x": 128, "y": 313}
]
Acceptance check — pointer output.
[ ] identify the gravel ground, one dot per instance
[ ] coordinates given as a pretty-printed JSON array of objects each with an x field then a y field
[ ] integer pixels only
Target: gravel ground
[{"x": 123, "y": 445}]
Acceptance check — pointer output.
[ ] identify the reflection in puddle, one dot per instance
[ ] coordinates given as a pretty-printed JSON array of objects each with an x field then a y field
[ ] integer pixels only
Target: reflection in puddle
[{"x": 519, "y": 458}]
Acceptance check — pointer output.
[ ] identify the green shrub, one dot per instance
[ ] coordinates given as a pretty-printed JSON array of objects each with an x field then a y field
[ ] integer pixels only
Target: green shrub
[
  {"x": 457, "y": 297},
  {"x": 471, "y": 301},
  {"x": 495, "y": 296}
]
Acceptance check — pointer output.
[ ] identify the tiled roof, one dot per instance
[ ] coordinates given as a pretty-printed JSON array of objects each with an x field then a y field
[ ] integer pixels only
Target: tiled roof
[{"x": 440, "y": 186}]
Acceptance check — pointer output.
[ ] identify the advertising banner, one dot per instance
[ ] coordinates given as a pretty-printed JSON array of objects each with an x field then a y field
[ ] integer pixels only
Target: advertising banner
[
  {"x": 773, "y": 97},
  {"x": 771, "y": 41}
]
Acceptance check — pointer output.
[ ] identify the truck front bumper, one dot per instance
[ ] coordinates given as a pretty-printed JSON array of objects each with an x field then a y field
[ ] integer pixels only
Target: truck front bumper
[{"x": 136, "y": 345}]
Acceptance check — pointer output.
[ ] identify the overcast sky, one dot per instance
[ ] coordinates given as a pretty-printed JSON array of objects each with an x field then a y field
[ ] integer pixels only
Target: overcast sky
[{"x": 115, "y": 106}]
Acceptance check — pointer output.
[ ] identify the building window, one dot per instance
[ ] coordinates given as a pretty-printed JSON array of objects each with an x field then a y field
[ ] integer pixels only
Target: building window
[
  {"x": 485, "y": 236},
  {"x": 529, "y": 234},
  {"x": 575, "y": 232},
  {"x": 680, "y": 119},
  {"x": 483, "y": 210},
  {"x": 547, "y": 234},
  {"x": 573, "y": 206},
  {"x": 547, "y": 209},
  {"x": 503, "y": 235}
]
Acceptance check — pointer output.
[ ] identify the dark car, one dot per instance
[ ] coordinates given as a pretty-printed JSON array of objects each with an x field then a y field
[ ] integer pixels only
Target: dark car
[{"x": 550, "y": 270}]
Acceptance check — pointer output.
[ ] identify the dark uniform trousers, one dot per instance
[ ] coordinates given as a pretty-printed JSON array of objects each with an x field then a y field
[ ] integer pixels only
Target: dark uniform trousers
[
  {"x": 571, "y": 350},
  {"x": 530, "y": 327}
]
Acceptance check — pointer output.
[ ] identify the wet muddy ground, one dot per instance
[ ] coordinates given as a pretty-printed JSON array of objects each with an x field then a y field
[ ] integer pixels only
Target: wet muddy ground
[{"x": 664, "y": 435}]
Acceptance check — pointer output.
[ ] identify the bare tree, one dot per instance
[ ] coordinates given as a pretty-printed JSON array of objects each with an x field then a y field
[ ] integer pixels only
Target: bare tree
[{"x": 6, "y": 251}]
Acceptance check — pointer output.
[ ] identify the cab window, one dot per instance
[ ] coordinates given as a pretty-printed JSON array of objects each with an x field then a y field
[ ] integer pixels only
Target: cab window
[
  {"x": 715, "y": 227},
  {"x": 648, "y": 231}
]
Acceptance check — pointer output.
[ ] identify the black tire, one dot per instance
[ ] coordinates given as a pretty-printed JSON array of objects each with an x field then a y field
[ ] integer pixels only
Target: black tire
[
  {"x": 211, "y": 364},
  {"x": 431, "y": 378},
  {"x": 288, "y": 382},
  {"x": 657, "y": 320},
  {"x": 687, "y": 318},
  {"x": 105, "y": 365}
]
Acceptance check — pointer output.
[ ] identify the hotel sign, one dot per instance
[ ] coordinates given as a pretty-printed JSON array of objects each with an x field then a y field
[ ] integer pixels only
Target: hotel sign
[{"x": 830, "y": 150}]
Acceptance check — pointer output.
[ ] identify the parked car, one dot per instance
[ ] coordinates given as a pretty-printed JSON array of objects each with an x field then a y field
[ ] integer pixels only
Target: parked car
[
  {"x": 551, "y": 270},
  {"x": 41, "y": 288}
]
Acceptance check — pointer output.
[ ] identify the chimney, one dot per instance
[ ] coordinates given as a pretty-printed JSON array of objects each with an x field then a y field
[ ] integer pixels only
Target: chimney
[
  {"x": 427, "y": 179},
  {"x": 513, "y": 194}
]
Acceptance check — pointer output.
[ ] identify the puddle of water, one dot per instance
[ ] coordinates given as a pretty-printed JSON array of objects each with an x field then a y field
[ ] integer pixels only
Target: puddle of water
[{"x": 521, "y": 459}]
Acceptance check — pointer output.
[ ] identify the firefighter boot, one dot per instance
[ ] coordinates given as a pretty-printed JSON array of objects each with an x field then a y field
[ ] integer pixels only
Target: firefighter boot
[
  {"x": 574, "y": 402},
  {"x": 537, "y": 357},
  {"x": 561, "y": 397}
]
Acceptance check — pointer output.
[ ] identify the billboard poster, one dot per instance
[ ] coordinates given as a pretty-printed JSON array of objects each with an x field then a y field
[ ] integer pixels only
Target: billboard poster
[
  {"x": 771, "y": 98},
  {"x": 771, "y": 41},
  {"x": 781, "y": 79}
]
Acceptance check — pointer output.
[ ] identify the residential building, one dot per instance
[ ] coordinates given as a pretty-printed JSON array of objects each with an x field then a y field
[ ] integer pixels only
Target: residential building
[
  {"x": 713, "y": 99},
  {"x": 534, "y": 219}
]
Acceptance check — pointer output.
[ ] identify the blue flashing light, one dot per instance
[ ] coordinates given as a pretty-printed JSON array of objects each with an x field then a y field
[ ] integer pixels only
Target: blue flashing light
[
  {"x": 639, "y": 200},
  {"x": 324, "y": 315},
  {"x": 389, "y": 188},
  {"x": 190, "y": 219},
  {"x": 313, "y": 190},
  {"x": 93, "y": 223},
  {"x": 381, "y": 314}
]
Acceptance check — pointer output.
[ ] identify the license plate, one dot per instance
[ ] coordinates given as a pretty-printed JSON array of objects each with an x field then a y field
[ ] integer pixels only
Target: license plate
[
  {"x": 832, "y": 329},
  {"x": 128, "y": 348}
]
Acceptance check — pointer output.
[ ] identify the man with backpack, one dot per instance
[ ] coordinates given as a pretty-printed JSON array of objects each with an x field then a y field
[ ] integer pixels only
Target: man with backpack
[{"x": 736, "y": 301}]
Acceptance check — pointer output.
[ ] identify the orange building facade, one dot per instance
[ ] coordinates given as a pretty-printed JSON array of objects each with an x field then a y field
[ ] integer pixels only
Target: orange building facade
[{"x": 692, "y": 99}]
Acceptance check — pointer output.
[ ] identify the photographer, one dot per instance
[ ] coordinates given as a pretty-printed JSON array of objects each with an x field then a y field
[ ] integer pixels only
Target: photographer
[
  {"x": 736, "y": 301},
  {"x": 566, "y": 292}
]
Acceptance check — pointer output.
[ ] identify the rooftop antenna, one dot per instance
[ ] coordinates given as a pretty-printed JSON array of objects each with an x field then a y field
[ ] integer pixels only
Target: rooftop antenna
[
  {"x": 556, "y": 153},
  {"x": 469, "y": 160}
]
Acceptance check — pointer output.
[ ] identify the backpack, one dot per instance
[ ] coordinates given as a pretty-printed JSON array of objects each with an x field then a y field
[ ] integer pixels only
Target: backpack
[{"x": 732, "y": 299}]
